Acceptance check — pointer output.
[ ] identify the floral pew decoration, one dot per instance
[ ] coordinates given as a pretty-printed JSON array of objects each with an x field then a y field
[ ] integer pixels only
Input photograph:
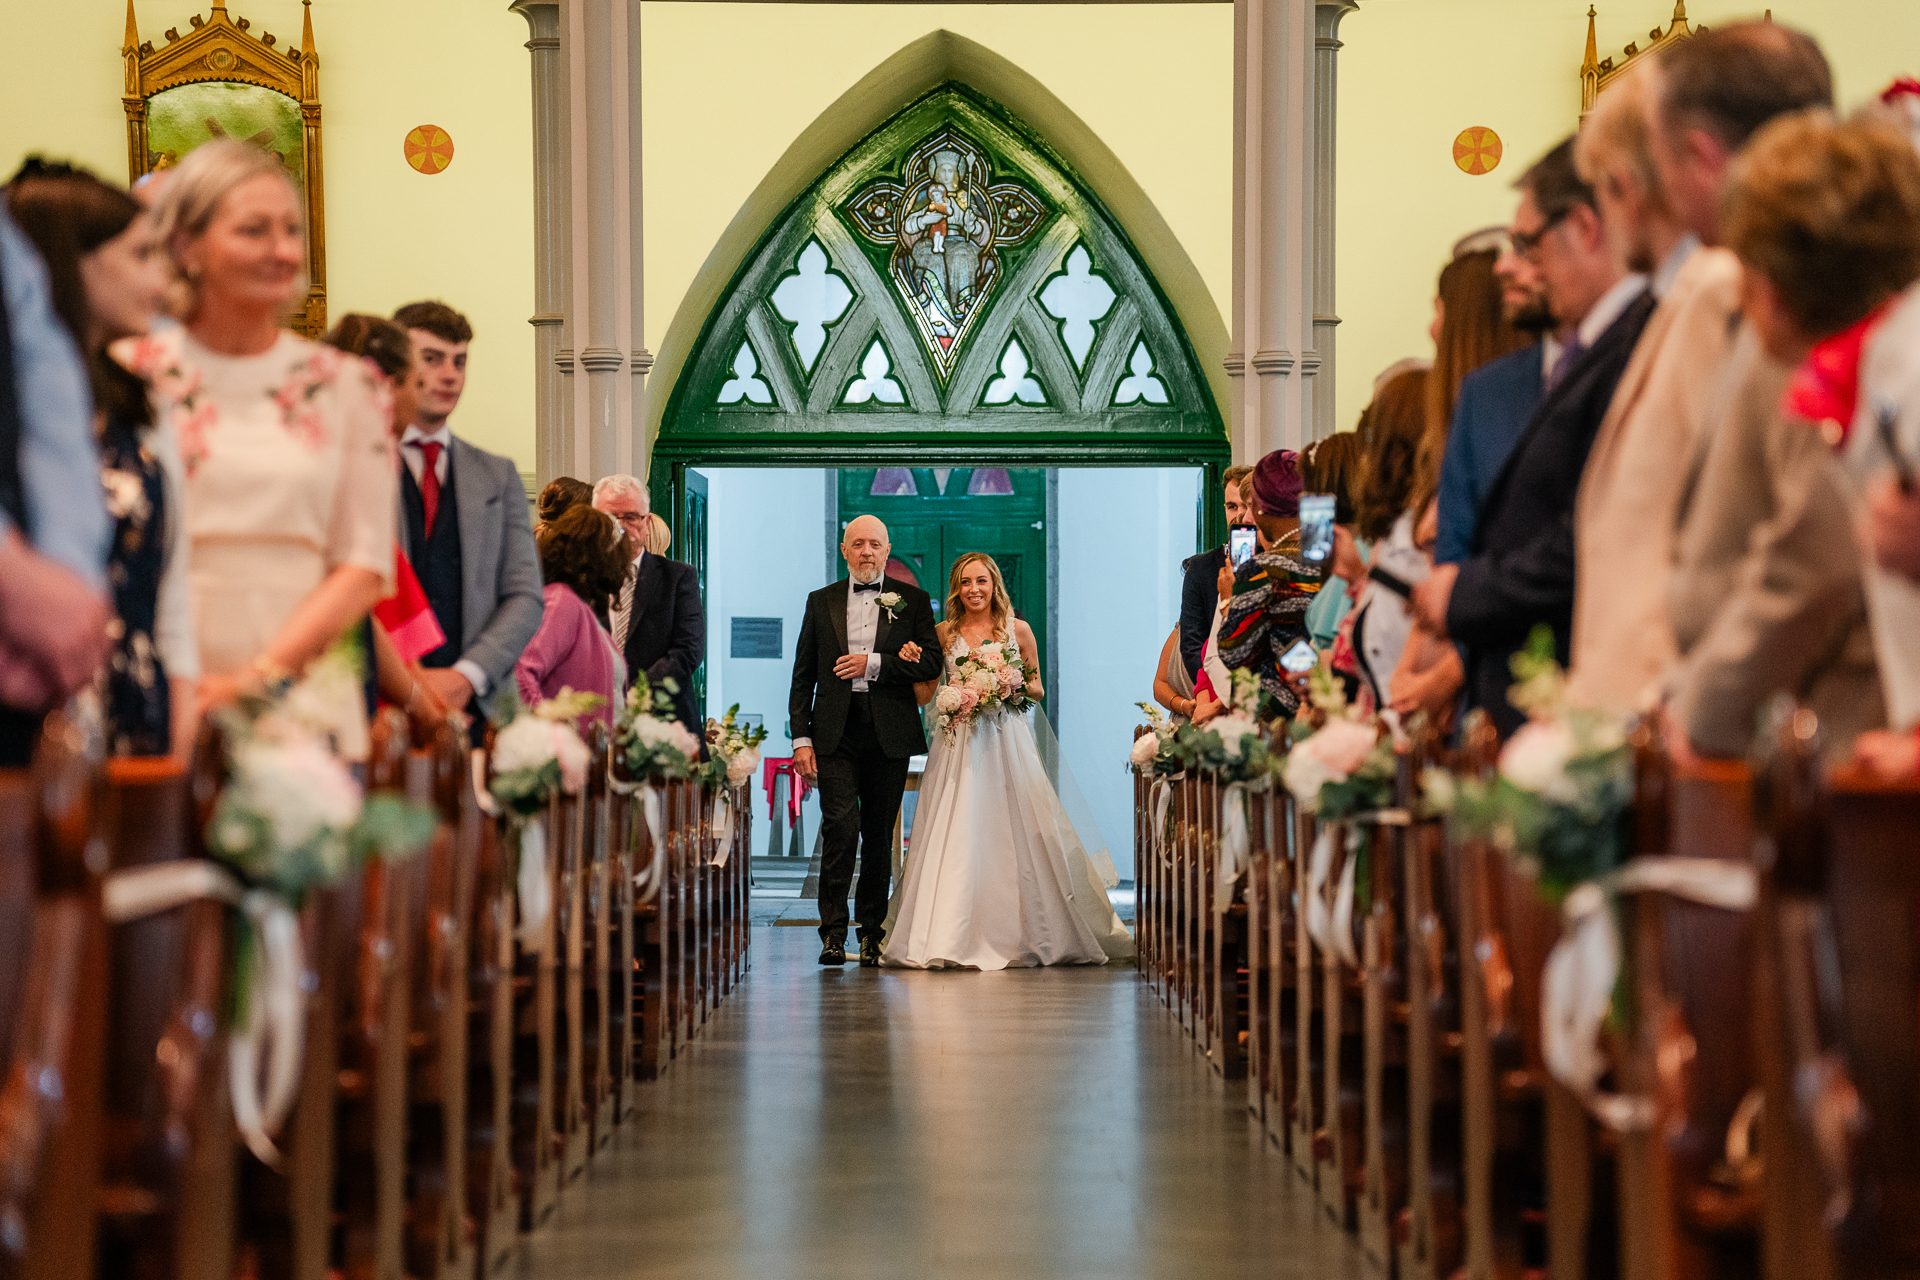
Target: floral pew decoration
[
  {"x": 290, "y": 818},
  {"x": 655, "y": 748},
  {"x": 1153, "y": 757},
  {"x": 537, "y": 754},
  {"x": 1558, "y": 804},
  {"x": 1341, "y": 770},
  {"x": 734, "y": 751}
]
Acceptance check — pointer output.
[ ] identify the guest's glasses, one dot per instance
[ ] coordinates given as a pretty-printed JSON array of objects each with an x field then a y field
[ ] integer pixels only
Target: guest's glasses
[{"x": 1526, "y": 244}]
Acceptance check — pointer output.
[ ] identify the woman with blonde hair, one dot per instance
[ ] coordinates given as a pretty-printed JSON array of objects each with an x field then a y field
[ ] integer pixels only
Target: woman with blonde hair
[
  {"x": 998, "y": 876},
  {"x": 289, "y": 460}
]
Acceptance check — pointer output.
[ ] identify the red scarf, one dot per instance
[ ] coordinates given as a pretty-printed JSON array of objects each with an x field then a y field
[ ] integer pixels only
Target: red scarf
[{"x": 1825, "y": 390}]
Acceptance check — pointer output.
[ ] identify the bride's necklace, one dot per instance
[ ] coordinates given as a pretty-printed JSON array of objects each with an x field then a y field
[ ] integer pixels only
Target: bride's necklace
[{"x": 961, "y": 630}]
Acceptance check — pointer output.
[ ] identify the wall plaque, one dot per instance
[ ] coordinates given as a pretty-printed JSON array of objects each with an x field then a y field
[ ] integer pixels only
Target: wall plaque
[{"x": 757, "y": 638}]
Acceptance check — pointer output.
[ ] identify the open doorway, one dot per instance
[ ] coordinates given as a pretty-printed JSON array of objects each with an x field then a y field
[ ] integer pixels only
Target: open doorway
[{"x": 1098, "y": 580}]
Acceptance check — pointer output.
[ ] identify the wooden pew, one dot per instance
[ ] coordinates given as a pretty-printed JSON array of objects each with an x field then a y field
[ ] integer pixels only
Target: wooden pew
[
  {"x": 623, "y": 823},
  {"x": 51, "y": 969},
  {"x": 596, "y": 1087},
  {"x": 1338, "y": 1137},
  {"x": 1306, "y": 1113},
  {"x": 167, "y": 1199},
  {"x": 1384, "y": 1090},
  {"x": 492, "y": 1203},
  {"x": 651, "y": 949},
  {"x": 567, "y": 863},
  {"x": 1227, "y": 958},
  {"x": 1262, "y": 957},
  {"x": 535, "y": 980}
]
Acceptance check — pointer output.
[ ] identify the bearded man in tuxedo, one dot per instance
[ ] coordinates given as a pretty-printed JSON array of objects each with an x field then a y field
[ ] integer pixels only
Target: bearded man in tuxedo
[{"x": 865, "y": 641}]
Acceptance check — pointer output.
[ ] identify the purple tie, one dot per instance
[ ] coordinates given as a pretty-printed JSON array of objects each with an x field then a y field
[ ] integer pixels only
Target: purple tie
[{"x": 1568, "y": 359}]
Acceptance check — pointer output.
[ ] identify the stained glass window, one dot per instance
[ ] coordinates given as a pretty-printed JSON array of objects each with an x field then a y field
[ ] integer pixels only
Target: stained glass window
[
  {"x": 1141, "y": 384},
  {"x": 875, "y": 382},
  {"x": 990, "y": 482},
  {"x": 1016, "y": 380},
  {"x": 894, "y": 482},
  {"x": 745, "y": 382},
  {"x": 1079, "y": 298},
  {"x": 809, "y": 300}
]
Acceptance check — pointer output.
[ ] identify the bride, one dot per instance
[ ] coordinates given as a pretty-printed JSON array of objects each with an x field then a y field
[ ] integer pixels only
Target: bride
[{"x": 995, "y": 875}]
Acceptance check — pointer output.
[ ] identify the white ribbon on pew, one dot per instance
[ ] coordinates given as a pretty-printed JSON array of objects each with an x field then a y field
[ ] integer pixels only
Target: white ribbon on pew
[
  {"x": 273, "y": 1036},
  {"x": 647, "y": 883},
  {"x": 536, "y": 892},
  {"x": 722, "y": 828},
  {"x": 1585, "y": 964},
  {"x": 1341, "y": 926},
  {"x": 1236, "y": 844},
  {"x": 1319, "y": 867},
  {"x": 1159, "y": 797}
]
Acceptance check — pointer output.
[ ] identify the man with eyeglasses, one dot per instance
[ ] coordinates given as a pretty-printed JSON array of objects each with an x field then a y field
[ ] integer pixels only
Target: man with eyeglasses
[
  {"x": 659, "y": 625},
  {"x": 1518, "y": 570},
  {"x": 1551, "y": 279}
]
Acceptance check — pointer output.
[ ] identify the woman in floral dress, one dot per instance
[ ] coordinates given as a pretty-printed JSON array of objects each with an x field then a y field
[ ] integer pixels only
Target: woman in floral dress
[
  {"x": 110, "y": 279},
  {"x": 290, "y": 467}
]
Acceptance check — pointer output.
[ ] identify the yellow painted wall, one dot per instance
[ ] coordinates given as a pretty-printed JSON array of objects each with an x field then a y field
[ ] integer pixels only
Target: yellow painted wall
[
  {"x": 1414, "y": 73},
  {"x": 393, "y": 235},
  {"x": 729, "y": 86}
]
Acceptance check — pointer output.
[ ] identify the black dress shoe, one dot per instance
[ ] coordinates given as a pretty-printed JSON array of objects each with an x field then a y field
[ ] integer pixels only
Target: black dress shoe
[
  {"x": 833, "y": 953},
  {"x": 869, "y": 952}
]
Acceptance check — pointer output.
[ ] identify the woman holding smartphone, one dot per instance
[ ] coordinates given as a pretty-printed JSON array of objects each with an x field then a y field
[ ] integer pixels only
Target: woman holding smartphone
[{"x": 1266, "y": 599}]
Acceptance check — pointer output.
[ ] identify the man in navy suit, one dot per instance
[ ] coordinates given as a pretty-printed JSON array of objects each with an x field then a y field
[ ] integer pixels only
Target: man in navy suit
[
  {"x": 1497, "y": 400},
  {"x": 1518, "y": 572}
]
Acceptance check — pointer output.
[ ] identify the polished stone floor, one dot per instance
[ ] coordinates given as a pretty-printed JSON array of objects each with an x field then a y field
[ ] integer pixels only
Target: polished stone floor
[{"x": 856, "y": 1123}]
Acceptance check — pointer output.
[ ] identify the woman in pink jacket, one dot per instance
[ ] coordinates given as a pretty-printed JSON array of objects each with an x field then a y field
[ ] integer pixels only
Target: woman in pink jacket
[{"x": 583, "y": 561}]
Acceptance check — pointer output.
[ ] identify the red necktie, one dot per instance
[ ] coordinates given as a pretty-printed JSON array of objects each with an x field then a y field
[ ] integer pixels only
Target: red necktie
[{"x": 430, "y": 480}]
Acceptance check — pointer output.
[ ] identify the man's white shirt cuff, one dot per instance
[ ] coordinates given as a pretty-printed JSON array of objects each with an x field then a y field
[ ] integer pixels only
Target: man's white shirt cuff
[
  {"x": 803, "y": 742},
  {"x": 475, "y": 676}
]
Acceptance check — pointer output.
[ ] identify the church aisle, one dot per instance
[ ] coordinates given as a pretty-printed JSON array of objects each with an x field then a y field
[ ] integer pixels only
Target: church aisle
[{"x": 878, "y": 1123}]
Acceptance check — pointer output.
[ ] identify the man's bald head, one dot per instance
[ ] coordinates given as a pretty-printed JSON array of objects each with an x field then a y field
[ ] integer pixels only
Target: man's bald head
[{"x": 865, "y": 546}]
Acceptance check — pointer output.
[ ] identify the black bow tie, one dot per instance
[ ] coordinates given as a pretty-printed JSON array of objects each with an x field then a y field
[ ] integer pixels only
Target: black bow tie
[{"x": 866, "y": 586}]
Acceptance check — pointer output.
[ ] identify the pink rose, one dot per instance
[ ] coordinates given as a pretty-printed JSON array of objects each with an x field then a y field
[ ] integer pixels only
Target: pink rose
[
  {"x": 991, "y": 656},
  {"x": 1344, "y": 745},
  {"x": 1009, "y": 679},
  {"x": 969, "y": 699}
]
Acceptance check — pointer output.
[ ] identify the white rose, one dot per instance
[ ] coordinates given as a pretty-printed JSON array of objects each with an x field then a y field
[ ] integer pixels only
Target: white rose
[
  {"x": 984, "y": 683},
  {"x": 1536, "y": 757},
  {"x": 742, "y": 766},
  {"x": 991, "y": 656},
  {"x": 948, "y": 700},
  {"x": 1343, "y": 745},
  {"x": 523, "y": 744},
  {"x": 1232, "y": 729},
  {"x": 1145, "y": 748},
  {"x": 1305, "y": 773},
  {"x": 299, "y": 787}
]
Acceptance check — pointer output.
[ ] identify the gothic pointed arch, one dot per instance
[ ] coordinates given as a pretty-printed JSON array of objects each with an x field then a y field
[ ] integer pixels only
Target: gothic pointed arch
[{"x": 947, "y": 283}]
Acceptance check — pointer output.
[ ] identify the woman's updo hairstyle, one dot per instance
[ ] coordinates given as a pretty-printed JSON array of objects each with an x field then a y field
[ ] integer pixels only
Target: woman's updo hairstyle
[{"x": 560, "y": 496}]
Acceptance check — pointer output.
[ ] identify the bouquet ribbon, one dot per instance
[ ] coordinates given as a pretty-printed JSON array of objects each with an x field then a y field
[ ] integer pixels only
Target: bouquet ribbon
[
  {"x": 647, "y": 882},
  {"x": 1319, "y": 867},
  {"x": 536, "y": 894},
  {"x": 271, "y": 1041},
  {"x": 1236, "y": 844},
  {"x": 722, "y": 827},
  {"x": 1585, "y": 964},
  {"x": 1341, "y": 925}
]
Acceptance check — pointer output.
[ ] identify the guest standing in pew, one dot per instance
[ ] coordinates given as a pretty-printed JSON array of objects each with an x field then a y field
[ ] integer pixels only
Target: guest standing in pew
[
  {"x": 1519, "y": 570},
  {"x": 1826, "y": 220},
  {"x": 54, "y": 530},
  {"x": 402, "y": 626},
  {"x": 110, "y": 278},
  {"x": 657, "y": 622},
  {"x": 285, "y": 442},
  {"x": 1199, "y": 595},
  {"x": 1766, "y": 595},
  {"x": 1266, "y": 600},
  {"x": 463, "y": 521},
  {"x": 583, "y": 560}
]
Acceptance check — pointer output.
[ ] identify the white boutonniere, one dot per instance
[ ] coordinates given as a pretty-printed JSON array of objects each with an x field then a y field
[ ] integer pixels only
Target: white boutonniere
[{"x": 890, "y": 601}]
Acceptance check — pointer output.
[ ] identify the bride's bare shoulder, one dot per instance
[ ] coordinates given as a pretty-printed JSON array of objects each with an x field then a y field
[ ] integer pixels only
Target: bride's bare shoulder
[{"x": 943, "y": 632}]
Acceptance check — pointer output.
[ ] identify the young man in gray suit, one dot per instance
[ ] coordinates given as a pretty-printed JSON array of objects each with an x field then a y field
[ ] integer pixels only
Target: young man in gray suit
[{"x": 463, "y": 524}]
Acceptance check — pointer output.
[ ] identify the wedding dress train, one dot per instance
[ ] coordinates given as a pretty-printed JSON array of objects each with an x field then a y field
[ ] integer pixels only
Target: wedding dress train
[{"x": 996, "y": 876}]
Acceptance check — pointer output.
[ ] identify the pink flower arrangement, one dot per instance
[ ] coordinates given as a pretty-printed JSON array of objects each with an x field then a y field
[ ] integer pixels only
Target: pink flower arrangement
[{"x": 985, "y": 681}]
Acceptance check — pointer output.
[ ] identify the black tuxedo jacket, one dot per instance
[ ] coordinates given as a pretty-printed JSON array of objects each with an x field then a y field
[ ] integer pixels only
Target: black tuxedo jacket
[
  {"x": 1520, "y": 573},
  {"x": 667, "y": 636},
  {"x": 819, "y": 701}
]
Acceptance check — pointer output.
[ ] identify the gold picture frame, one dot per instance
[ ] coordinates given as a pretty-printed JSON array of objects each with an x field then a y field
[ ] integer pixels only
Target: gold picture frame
[
  {"x": 1597, "y": 73},
  {"x": 219, "y": 80}
]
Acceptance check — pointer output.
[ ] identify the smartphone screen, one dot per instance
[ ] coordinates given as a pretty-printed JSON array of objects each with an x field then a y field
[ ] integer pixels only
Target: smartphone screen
[
  {"x": 1316, "y": 527},
  {"x": 1240, "y": 546},
  {"x": 1299, "y": 659}
]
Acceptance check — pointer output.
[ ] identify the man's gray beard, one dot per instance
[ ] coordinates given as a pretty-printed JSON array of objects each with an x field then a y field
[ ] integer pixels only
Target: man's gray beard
[{"x": 878, "y": 575}]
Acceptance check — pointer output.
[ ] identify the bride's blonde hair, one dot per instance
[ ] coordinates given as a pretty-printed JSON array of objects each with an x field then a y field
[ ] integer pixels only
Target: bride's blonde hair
[{"x": 1002, "y": 606}]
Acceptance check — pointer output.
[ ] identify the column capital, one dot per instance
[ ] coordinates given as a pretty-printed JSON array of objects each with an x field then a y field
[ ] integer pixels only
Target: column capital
[
  {"x": 603, "y": 359},
  {"x": 1268, "y": 363}
]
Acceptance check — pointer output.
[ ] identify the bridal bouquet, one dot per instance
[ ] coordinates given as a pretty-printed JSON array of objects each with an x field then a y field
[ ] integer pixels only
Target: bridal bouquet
[
  {"x": 735, "y": 748},
  {"x": 990, "y": 680},
  {"x": 656, "y": 745},
  {"x": 1346, "y": 765},
  {"x": 1560, "y": 795}
]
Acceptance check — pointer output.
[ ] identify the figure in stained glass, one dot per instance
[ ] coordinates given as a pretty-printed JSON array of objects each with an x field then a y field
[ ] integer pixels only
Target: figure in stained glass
[{"x": 945, "y": 225}]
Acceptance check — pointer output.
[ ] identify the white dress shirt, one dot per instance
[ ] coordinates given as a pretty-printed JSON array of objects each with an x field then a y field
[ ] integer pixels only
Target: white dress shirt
[
  {"x": 863, "y": 624},
  {"x": 416, "y": 460}
]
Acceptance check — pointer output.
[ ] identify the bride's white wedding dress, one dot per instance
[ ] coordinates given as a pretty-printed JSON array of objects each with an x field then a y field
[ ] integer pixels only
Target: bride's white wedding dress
[{"x": 996, "y": 876}]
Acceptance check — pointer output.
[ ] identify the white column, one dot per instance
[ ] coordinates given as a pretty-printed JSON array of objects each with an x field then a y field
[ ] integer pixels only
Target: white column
[
  {"x": 1272, "y": 360},
  {"x": 550, "y": 238},
  {"x": 634, "y": 456},
  {"x": 1326, "y": 110}
]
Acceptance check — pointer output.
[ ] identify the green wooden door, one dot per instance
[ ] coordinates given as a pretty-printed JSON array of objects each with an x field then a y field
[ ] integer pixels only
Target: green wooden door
[
  {"x": 690, "y": 540},
  {"x": 936, "y": 515}
]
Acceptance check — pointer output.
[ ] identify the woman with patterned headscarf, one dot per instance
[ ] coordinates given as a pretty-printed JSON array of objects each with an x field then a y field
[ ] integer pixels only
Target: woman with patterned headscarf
[{"x": 1266, "y": 600}]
